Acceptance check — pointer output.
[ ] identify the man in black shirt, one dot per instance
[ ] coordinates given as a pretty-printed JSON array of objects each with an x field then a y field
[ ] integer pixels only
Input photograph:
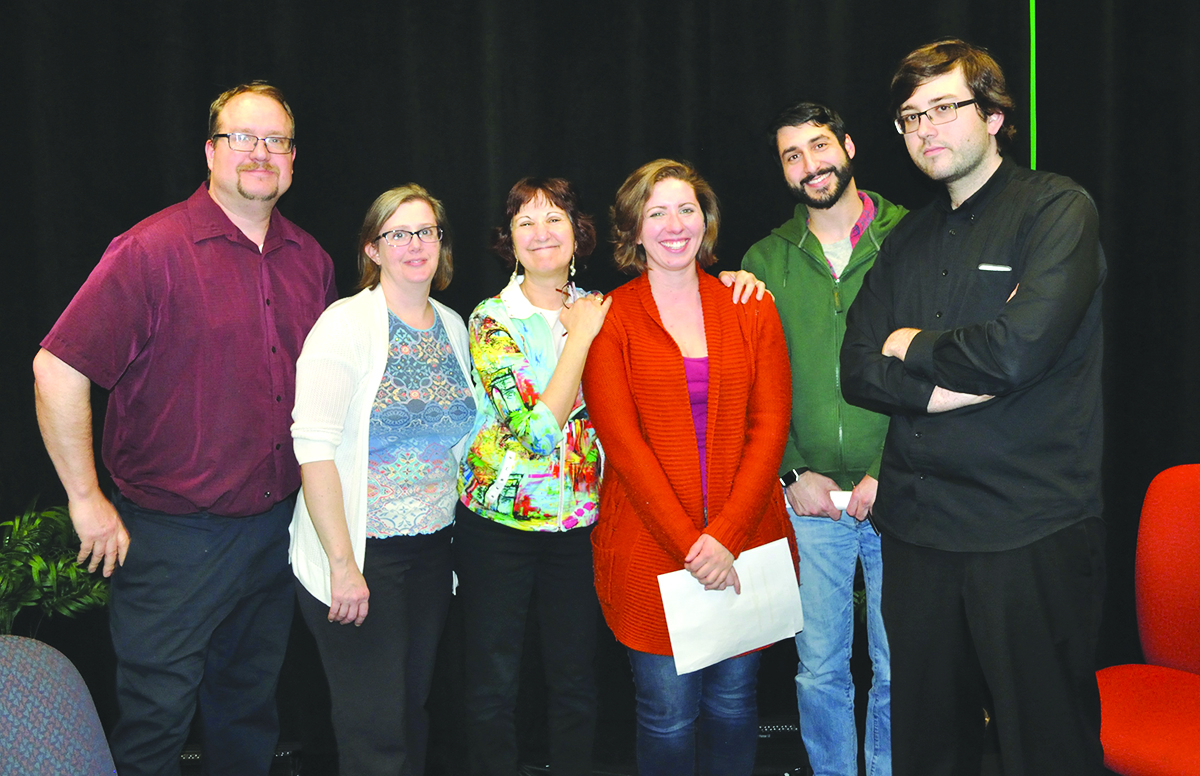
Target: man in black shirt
[{"x": 978, "y": 330}]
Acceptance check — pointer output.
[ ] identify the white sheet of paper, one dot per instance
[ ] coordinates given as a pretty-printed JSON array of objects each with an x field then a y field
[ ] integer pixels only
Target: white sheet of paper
[
  {"x": 707, "y": 626},
  {"x": 840, "y": 499}
]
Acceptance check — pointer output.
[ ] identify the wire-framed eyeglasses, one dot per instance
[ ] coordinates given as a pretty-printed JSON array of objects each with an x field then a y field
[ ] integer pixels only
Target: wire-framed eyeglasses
[
  {"x": 907, "y": 123},
  {"x": 242, "y": 142}
]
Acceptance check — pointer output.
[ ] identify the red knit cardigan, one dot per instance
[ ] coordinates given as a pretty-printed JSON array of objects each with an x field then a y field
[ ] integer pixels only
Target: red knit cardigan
[{"x": 651, "y": 504}]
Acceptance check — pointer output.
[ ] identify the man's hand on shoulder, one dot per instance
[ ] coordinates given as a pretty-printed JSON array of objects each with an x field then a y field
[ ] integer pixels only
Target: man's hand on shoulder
[
  {"x": 809, "y": 495},
  {"x": 744, "y": 285},
  {"x": 102, "y": 534}
]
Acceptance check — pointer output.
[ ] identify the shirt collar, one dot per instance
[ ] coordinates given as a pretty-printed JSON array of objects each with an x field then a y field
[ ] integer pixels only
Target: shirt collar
[
  {"x": 985, "y": 194},
  {"x": 864, "y": 219},
  {"x": 515, "y": 302},
  {"x": 209, "y": 220}
]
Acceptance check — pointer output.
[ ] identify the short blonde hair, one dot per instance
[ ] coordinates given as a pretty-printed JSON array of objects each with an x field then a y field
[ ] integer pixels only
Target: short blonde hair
[
  {"x": 626, "y": 213},
  {"x": 384, "y": 206}
]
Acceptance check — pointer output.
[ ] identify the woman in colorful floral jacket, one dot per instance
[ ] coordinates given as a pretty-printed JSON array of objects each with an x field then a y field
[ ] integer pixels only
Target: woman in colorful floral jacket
[{"x": 530, "y": 482}]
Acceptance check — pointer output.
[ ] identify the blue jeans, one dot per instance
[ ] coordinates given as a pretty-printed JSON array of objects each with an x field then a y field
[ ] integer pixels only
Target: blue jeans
[
  {"x": 708, "y": 717},
  {"x": 829, "y": 552}
]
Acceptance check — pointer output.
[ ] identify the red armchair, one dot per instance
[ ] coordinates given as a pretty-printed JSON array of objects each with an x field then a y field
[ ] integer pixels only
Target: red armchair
[{"x": 1150, "y": 714}]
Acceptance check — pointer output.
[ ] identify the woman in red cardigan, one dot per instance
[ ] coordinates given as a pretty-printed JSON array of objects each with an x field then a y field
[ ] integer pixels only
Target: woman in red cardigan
[{"x": 690, "y": 395}]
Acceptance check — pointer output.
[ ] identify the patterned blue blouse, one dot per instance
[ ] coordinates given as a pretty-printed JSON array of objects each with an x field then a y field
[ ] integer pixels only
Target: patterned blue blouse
[{"x": 423, "y": 407}]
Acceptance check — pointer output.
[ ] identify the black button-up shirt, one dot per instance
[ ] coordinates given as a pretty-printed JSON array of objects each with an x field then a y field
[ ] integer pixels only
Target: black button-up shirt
[{"x": 1009, "y": 471}]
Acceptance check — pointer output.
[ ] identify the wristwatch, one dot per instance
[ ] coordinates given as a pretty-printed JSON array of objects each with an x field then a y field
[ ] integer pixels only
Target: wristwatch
[{"x": 789, "y": 478}]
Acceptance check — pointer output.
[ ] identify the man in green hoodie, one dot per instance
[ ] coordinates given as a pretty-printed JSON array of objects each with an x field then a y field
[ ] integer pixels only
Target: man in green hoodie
[{"x": 814, "y": 265}]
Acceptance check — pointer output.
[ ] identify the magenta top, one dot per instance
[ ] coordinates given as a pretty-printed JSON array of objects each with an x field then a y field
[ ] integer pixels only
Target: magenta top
[
  {"x": 196, "y": 335},
  {"x": 696, "y": 372}
]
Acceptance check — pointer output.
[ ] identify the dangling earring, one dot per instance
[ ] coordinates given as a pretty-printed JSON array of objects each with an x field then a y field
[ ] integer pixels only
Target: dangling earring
[
  {"x": 516, "y": 266},
  {"x": 572, "y": 265}
]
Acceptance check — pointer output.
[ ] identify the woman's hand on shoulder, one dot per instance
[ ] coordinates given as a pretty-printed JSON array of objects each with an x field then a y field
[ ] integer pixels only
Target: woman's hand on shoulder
[
  {"x": 584, "y": 317},
  {"x": 744, "y": 284},
  {"x": 712, "y": 565},
  {"x": 349, "y": 595}
]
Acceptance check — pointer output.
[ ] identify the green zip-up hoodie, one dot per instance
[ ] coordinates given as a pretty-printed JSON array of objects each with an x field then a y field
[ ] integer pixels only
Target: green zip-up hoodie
[{"x": 827, "y": 434}]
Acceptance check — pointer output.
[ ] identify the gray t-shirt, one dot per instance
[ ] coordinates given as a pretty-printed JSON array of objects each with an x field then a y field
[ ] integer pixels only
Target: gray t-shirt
[{"x": 838, "y": 255}]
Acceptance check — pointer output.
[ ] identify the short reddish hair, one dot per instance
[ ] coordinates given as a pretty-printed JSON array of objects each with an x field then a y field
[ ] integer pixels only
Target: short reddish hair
[{"x": 558, "y": 192}]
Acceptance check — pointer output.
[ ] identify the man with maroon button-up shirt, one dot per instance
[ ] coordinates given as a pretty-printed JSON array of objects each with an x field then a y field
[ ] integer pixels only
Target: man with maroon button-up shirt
[{"x": 193, "y": 320}]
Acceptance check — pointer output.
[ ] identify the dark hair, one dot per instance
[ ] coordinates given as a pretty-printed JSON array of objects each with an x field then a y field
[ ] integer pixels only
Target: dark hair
[
  {"x": 806, "y": 113},
  {"x": 261, "y": 88},
  {"x": 559, "y": 193},
  {"x": 626, "y": 213},
  {"x": 982, "y": 73},
  {"x": 384, "y": 206}
]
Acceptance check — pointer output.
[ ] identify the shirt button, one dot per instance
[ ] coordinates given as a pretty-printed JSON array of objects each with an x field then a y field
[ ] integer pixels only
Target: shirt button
[
  {"x": 920, "y": 476},
  {"x": 945, "y": 272},
  {"x": 278, "y": 398},
  {"x": 952, "y": 233},
  {"x": 938, "y": 314},
  {"x": 279, "y": 446},
  {"x": 917, "y": 434},
  {"x": 267, "y": 494},
  {"x": 269, "y": 301},
  {"x": 273, "y": 347}
]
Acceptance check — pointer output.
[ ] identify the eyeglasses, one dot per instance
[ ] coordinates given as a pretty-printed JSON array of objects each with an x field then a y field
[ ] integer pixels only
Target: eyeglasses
[
  {"x": 938, "y": 114},
  {"x": 240, "y": 141},
  {"x": 398, "y": 238}
]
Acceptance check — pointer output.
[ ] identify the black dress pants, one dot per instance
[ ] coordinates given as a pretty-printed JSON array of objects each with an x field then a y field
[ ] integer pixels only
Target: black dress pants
[
  {"x": 501, "y": 570},
  {"x": 1019, "y": 624},
  {"x": 380, "y": 672},
  {"x": 200, "y": 615}
]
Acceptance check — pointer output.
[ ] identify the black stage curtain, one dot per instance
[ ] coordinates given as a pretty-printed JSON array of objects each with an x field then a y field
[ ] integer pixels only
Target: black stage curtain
[{"x": 107, "y": 108}]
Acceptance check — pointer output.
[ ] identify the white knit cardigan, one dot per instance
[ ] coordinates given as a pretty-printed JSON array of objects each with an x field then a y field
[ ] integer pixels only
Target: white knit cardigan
[{"x": 337, "y": 377}]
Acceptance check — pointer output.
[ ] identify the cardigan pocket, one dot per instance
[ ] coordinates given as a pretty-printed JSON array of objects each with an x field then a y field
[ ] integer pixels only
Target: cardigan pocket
[{"x": 604, "y": 563}]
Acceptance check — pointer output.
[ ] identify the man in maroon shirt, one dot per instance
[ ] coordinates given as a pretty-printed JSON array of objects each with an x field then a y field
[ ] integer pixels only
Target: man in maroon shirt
[{"x": 193, "y": 320}]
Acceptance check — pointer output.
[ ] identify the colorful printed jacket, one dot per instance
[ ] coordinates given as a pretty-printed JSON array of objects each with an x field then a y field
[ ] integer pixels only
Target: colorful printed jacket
[{"x": 521, "y": 469}]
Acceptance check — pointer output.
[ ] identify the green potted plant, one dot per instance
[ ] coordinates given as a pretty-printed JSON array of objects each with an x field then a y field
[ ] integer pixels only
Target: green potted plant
[{"x": 38, "y": 569}]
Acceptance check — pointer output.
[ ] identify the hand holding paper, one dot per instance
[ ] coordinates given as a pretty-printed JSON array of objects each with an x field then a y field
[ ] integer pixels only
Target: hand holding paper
[
  {"x": 707, "y": 626},
  {"x": 712, "y": 565}
]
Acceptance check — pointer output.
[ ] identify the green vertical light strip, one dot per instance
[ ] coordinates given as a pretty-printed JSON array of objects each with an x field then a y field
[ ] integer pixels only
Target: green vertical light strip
[{"x": 1032, "y": 85}]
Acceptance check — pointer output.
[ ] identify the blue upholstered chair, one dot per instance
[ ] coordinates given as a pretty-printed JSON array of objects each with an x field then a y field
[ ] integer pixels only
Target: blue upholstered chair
[{"x": 48, "y": 723}]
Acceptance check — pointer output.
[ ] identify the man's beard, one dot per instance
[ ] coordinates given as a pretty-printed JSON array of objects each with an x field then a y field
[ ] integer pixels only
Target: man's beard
[
  {"x": 274, "y": 193},
  {"x": 842, "y": 177}
]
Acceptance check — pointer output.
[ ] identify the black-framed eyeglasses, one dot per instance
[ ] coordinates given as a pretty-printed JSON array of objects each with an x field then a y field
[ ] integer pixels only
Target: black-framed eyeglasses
[
  {"x": 240, "y": 141},
  {"x": 398, "y": 238},
  {"x": 938, "y": 114}
]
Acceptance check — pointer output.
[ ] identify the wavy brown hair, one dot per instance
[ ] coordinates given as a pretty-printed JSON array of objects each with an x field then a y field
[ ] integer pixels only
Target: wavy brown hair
[{"x": 626, "y": 213}]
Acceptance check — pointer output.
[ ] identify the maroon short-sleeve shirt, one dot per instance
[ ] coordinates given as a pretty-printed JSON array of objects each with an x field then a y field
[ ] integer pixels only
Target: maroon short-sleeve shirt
[{"x": 196, "y": 333}]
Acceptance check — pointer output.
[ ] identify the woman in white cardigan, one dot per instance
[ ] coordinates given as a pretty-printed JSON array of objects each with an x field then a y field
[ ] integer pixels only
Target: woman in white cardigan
[{"x": 384, "y": 401}]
